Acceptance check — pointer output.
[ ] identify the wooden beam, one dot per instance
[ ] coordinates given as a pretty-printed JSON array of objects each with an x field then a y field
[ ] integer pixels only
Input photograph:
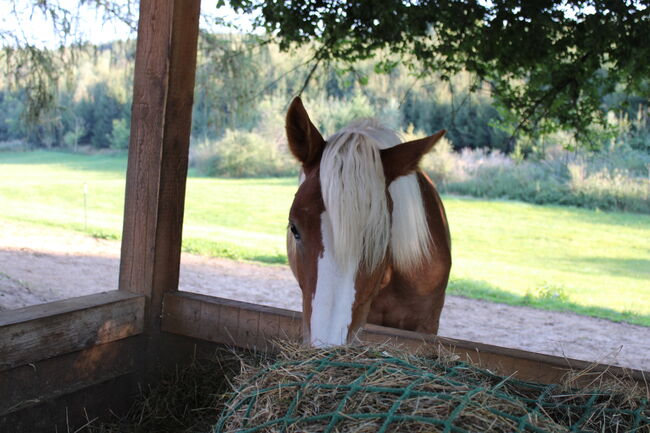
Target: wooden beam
[
  {"x": 254, "y": 326},
  {"x": 531, "y": 366},
  {"x": 158, "y": 151},
  {"x": 40, "y": 382},
  {"x": 31, "y": 334}
]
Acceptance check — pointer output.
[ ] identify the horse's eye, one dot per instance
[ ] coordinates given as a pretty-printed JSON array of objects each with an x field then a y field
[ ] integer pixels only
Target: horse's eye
[{"x": 295, "y": 232}]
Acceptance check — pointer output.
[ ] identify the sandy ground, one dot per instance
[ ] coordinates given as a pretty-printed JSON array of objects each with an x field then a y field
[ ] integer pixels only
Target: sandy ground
[{"x": 40, "y": 265}]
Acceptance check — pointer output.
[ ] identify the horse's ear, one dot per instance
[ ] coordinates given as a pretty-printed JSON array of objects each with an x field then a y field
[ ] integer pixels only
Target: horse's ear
[
  {"x": 305, "y": 142},
  {"x": 404, "y": 158}
]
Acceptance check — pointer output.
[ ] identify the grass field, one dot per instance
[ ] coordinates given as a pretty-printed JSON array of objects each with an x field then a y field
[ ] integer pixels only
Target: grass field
[{"x": 590, "y": 262}]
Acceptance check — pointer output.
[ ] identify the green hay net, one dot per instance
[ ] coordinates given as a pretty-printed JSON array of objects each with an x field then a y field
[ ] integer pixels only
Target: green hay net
[{"x": 363, "y": 390}]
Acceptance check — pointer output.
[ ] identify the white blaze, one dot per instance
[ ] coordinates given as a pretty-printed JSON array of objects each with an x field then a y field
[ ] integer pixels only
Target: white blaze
[
  {"x": 331, "y": 312},
  {"x": 356, "y": 226}
]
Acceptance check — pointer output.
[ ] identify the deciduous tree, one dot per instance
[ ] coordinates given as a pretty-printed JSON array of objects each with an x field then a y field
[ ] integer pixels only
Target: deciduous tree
[{"x": 549, "y": 63}]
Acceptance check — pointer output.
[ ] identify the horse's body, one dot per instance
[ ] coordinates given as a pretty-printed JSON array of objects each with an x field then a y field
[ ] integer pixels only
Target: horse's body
[{"x": 368, "y": 238}]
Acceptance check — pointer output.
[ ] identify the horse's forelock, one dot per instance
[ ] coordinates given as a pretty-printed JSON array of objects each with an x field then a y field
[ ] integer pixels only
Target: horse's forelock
[{"x": 354, "y": 193}]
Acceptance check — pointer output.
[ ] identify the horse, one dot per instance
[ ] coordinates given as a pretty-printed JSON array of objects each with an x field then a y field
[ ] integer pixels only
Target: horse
[{"x": 368, "y": 239}]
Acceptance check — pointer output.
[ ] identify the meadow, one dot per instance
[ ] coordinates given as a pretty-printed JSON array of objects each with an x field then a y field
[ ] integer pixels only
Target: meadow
[{"x": 553, "y": 257}]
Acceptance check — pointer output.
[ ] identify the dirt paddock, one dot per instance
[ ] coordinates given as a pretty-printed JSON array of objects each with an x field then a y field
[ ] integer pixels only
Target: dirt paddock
[{"x": 42, "y": 264}]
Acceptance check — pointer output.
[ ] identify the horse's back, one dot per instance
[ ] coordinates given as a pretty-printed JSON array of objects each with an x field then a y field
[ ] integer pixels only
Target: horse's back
[{"x": 414, "y": 298}]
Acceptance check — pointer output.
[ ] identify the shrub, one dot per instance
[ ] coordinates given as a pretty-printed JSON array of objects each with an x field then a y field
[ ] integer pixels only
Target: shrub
[
  {"x": 243, "y": 154},
  {"x": 617, "y": 179},
  {"x": 610, "y": 189},
  {"x": 119, "y": 136}
]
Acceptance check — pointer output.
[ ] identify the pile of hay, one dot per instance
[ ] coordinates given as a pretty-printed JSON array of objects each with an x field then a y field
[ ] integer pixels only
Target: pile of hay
[
  {"x": 355, "y": 389},
  {"x": 185, "y": 399}
]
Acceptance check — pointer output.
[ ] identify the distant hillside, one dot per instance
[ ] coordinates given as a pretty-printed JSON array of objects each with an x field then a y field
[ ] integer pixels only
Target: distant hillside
[{"x": 243, "y": 85}]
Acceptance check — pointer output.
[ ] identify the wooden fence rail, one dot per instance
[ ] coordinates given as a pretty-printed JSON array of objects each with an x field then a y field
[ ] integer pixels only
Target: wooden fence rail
[{"x": 254, "y": 326}]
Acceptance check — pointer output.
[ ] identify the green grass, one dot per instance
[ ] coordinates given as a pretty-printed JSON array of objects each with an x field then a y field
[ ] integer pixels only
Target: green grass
[{"x": 560, "y": 258}]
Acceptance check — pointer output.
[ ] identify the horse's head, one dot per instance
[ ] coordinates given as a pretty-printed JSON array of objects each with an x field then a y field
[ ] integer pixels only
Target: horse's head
[{"x": 339, "y": 233}]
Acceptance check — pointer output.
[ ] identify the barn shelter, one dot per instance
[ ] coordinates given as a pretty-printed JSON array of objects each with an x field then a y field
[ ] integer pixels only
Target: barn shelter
[{"x": 65, "y": 362}]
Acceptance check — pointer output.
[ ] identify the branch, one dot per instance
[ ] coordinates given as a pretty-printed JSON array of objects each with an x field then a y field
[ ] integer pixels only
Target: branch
[
  {"x": 311, "y": 73},
  {"x": 552, "y": 93}
]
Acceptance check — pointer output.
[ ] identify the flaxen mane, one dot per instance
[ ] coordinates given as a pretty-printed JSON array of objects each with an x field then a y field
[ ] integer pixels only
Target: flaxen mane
[{"x": 353, "y": 190}]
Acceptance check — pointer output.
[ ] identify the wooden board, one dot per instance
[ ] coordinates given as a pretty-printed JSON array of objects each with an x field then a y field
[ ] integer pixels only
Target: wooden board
[
  {"x": 72, "y": 411},
  {"x": 254, "y": 326},
  {"x": 30, "y": 334},
  {"x": 40, "y": 382},
  {"x": 226, "y": 321}
]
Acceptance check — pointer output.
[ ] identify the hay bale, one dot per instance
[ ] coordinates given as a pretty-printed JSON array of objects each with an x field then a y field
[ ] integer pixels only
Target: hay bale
[{"x": 354, "y": 389}]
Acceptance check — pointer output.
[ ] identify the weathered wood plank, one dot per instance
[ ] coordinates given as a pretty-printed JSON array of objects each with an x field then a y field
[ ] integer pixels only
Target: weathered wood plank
[
  {"x": 158, "y": 150},
  {"x": 226, "y": 321},
  {"x": 71, "y": 412},
  {"x": 272, "y": 323},
  {"x": 44, "y": 331},
  {"x": 29, "y": 385},
  {"x": 522, "y": 364}
]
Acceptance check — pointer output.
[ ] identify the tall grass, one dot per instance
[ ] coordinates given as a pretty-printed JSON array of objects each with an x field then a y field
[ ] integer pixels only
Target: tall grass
[{"x": 616, "y": 179}]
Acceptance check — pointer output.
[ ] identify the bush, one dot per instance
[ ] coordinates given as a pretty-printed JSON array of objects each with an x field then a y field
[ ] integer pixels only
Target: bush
[
  {"x": 243, "y": 154},
  {"x": 618, "y": 179},
  {"x": 119, "y": 137},
  {"x": 332, "y": 114},
  {"x": 610, "y": 189}
]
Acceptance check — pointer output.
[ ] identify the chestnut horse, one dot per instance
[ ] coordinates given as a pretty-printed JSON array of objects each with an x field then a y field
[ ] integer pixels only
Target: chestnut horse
[{"x": 368, "y": 239}]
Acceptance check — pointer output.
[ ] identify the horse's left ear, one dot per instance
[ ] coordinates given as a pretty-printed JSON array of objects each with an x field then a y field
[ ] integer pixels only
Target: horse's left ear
[{"x": 404, "y": 158}]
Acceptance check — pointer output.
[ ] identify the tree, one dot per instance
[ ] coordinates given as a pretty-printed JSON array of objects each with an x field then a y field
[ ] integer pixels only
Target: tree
[
  {"x": 549, "y": 63},
  {"x": 229, "y": 78},
  {"x": 99, "y": 111},
  {"x": 36, "y": 67}
]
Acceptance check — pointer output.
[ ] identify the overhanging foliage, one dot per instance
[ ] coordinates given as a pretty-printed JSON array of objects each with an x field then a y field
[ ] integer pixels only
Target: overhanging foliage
[{"x": 549, "y": 63}]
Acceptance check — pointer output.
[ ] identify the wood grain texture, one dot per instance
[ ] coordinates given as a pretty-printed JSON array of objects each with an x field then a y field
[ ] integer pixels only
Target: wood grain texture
[
  {"x": 30, "y": 385},
  {"x": 70, "y": 412},
  {"x": 158, "y": 150},
  {"x": 225, "y": 321},
  {"x": 253, "y": 326},
  {"x": 31, "y": 334}
]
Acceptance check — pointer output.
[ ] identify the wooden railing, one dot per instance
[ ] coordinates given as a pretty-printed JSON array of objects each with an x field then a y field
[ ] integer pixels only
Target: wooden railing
[
  {"x": 254, "y": 326},
  {"x": 55, "y": 349}
]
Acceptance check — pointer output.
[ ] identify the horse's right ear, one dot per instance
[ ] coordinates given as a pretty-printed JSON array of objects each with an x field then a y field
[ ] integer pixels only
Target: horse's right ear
[
  {"x": 404, "y": 158},
  {"x": 305, "y": 142}
]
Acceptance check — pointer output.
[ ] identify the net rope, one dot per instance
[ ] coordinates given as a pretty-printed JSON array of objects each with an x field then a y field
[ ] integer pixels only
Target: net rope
[{"x": 461, "y": 386}]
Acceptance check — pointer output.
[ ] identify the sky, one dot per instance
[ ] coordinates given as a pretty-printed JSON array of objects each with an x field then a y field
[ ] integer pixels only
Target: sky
[{"x": 18, "y": 17}]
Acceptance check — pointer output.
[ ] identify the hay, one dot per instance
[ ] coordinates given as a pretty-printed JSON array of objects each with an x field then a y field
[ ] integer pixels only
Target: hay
[
  {"x": 354, "y": 389},
  {"x": 187, "y": 399}
]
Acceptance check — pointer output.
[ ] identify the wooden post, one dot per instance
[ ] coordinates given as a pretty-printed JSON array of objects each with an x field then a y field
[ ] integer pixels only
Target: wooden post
[{"x": 161, "y": 117}]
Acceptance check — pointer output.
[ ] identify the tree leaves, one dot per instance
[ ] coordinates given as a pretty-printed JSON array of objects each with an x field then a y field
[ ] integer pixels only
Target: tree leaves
[
  {"x": 37, "y": 68},
  {"x": 549, "y": 62}
]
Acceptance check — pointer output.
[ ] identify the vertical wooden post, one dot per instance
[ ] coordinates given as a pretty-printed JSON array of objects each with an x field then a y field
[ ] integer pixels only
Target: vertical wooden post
[{"x": 161, "y": 117}]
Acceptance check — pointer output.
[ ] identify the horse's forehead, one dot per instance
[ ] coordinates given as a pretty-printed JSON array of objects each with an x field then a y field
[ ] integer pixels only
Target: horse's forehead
[{"x": 308, "y": 198}]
